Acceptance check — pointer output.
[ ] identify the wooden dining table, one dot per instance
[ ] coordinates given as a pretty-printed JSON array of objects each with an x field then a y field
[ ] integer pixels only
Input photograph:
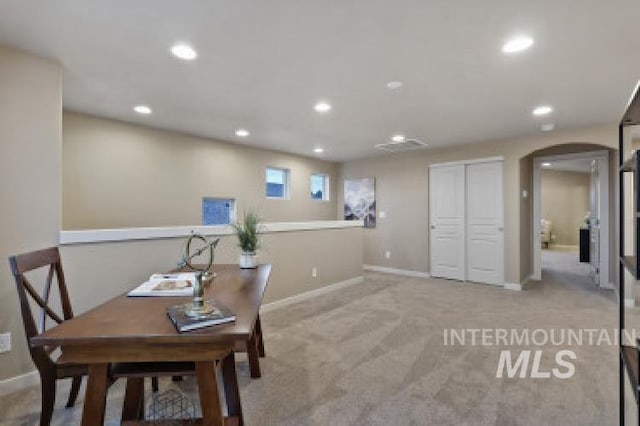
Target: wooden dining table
[{"x": 137, "y": 330}]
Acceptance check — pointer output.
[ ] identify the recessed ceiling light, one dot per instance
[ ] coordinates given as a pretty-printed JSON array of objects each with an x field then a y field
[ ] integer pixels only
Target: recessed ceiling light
[
  {"x": 243, "y": 133},
  {"x": 542, "y": 110},
  {"x": 318, "y": 150},
  {"x": 322, "y": 107},
  {"x": 394, "y": 84},
  {"x": 184, "y": 51},
  {"x": 546, "y": 164},
  {"x": 517, "y": 44},
  {"x": 398, "y": 138},
  {"x": 142, "y": 109},
  {"x": 547, "y": 127}
]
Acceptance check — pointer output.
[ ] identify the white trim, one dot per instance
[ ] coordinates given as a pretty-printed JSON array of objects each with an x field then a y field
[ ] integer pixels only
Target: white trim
[
  {"x": 395, "y": 271},
  {"x": 464, "y": 162},
  {"x": 268, "y": 307},
  {"x": 513, "y": 286},
  {"x": 606, "y": 215},
  {"x": 127, "y": 234},
  {"x": 608, "y": 286},
  {"x": 20, "y": 382},
  {"x": 536, "y": 204},
  {"x": 526, "y": 281},
  {"x": 519, "y": 286}
]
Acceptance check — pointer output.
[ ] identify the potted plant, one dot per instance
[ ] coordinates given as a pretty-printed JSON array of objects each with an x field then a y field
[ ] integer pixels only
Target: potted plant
[{"x": 248, "y": 239}]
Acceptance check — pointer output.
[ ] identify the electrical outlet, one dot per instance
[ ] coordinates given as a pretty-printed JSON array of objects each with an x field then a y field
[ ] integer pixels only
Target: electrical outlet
[
  {"x": 314, "y": 272},
  {"x": 387, "y": 254},
  {"x": 5, "y": 342},
  {"x": 382, "y": 215}
]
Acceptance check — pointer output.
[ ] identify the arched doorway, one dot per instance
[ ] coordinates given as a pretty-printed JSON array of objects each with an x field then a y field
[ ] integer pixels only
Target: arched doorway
[{"x": 572, "y": 214}]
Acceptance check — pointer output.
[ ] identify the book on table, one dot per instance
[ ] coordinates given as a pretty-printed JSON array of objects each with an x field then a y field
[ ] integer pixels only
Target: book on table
[
  {"x": 183, "y": 322},
  {"x": 179, "y": 284}
]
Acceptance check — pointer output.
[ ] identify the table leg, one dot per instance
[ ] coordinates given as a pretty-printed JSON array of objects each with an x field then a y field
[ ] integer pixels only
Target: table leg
[
  {"x": 253, "y": 356},
  {"x": 96, "y": 395},
  {"x": 209, "y": 396},
  {"x": 231, "y": 391},
  {"x": 259, "y": 335},
  {"x": 133, "y": 407}
]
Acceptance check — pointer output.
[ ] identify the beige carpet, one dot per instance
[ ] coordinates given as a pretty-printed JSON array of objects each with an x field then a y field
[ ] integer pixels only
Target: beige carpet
[{"x": 373, "y": 354}]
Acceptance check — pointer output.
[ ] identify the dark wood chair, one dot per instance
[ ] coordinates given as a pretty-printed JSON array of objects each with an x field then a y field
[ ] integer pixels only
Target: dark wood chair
[{"x": 51, "y": 367}]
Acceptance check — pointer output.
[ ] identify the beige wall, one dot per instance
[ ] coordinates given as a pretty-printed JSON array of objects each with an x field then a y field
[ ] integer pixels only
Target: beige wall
[
  {"x": 117, "y": 174},
  {"x": 336, "y": 253},
  {"x": 401, "y": 192},
  {"x": 565, "y": 202},
  {"x": 30, "y": 173}
]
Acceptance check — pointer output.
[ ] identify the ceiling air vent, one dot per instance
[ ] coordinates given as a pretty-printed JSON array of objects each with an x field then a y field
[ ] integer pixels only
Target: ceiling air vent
[{"x": 405, "y": 145}]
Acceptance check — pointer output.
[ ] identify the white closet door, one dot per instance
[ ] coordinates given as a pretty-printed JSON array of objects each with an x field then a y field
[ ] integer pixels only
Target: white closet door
[
  {"x": 446, "y": 210},
  {"x": 485, "y": 223}
]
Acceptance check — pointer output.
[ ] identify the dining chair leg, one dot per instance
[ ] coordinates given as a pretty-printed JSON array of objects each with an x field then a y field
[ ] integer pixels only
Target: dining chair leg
[
  {"x": 48, "y": 391},
  {"x": 154, "y": 384},
  {"x": 133, "y": 407},
  {"x": 73, "y": 393}
]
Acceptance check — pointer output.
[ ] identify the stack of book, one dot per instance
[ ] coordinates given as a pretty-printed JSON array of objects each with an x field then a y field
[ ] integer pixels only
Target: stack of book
[{"x": 183, "y": 322}]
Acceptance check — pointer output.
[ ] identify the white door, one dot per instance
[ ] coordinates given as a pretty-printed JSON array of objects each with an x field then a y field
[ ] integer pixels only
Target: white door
[
  {"x": 446, "y": 211},
  {"x": 594, "y": 221},
  {"x": 485, "y": 223}
]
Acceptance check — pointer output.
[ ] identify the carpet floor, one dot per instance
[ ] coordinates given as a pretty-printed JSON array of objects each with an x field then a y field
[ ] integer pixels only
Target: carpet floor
[{"x": 375, "y": 354}]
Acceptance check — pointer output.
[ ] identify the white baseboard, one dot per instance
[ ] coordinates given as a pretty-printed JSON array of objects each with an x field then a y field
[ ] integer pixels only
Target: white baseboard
[
  {"x": 513, "y": 286},
  {"x": 395, "y": 271},
  {"x": 608, "y": 286},
  {"x": 19, "y": 382},
  {"x": 267, "y": 307},
  {"x": 519, "y": 286},
  {"x": 526, "y": 282}
]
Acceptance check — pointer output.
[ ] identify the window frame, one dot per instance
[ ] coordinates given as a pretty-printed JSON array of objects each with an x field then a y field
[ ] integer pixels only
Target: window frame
[
  {"x": 232, "y": 210},
  {"x": 326, "y": 191},
  {"x": 287, "y": 183}
]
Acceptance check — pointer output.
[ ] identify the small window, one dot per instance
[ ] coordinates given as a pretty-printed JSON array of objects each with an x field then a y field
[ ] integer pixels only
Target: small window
[
  {"x": 218, "y": 211},
  {"x": 320, "y": 187},
  {"x": 277, "y": 183}
]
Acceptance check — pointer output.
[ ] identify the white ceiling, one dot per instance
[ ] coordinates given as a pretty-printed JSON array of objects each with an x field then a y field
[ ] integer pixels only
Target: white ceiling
[{"x": 263, "y": 64}]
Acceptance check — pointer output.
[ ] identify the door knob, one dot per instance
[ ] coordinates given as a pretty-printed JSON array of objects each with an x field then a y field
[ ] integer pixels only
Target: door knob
[
  {"x": 433, "y": 227},
  {"x": 500, "y": 228}
]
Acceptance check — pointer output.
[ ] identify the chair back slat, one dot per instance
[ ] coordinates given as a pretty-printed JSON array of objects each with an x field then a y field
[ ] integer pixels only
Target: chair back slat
[
  {"x": 45, "y": 309},
  {"x": 27, "y": 262},
  {"x": 47, "y": 291}
]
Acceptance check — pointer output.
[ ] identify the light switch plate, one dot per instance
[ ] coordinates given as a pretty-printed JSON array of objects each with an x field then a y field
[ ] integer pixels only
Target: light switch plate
[{"x": 5, "y": 342}]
